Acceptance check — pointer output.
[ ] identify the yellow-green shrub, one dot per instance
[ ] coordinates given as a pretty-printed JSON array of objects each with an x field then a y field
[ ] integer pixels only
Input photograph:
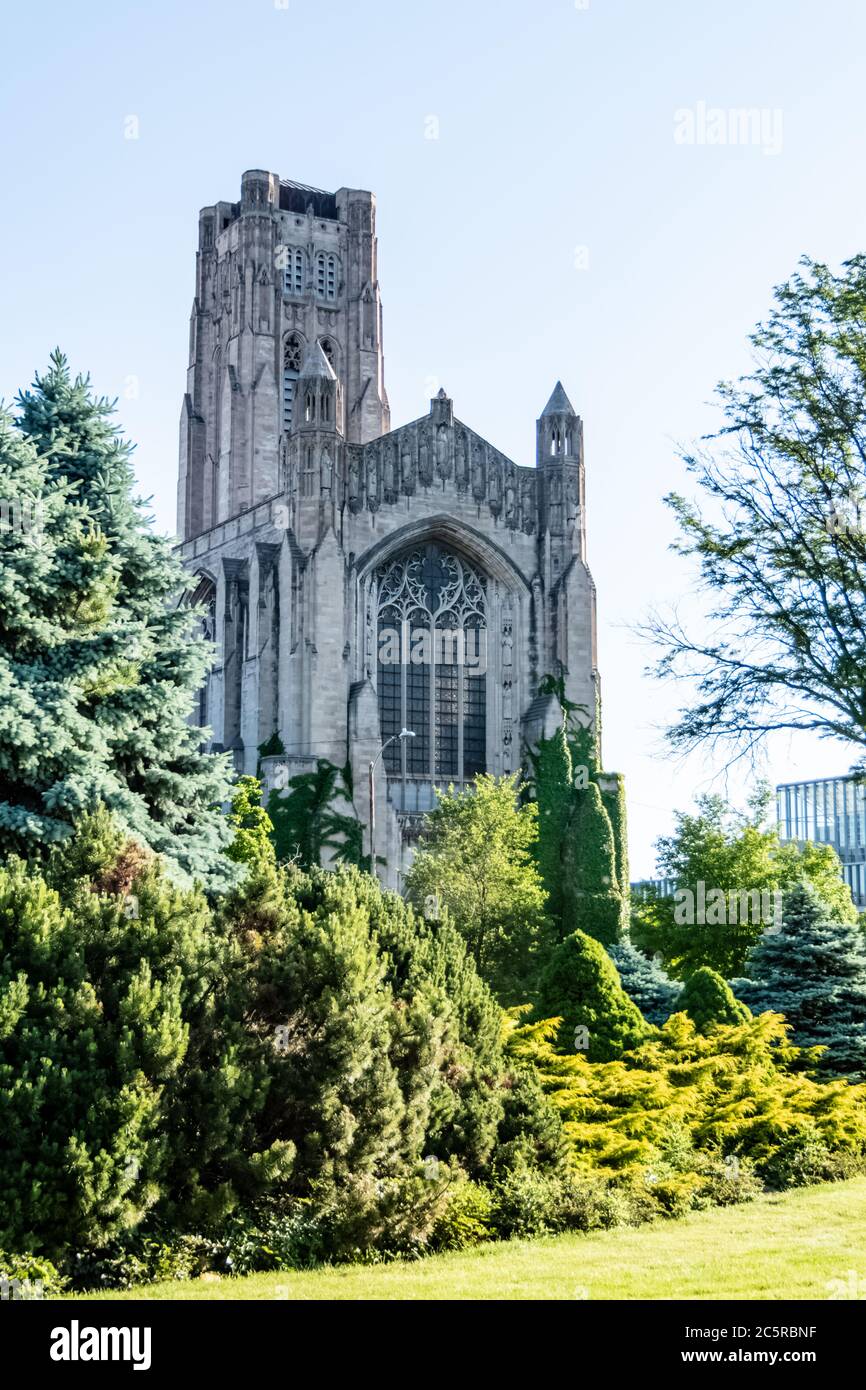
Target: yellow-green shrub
[{"x": 734, "y": 1089}]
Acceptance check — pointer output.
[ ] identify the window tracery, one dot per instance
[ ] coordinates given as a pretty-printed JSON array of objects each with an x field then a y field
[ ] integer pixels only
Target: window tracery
[{"x": 432, "y": 664}]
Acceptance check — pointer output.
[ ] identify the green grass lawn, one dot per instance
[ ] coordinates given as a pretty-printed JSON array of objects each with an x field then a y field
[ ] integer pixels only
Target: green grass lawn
[{"x": 788, "y": 1246}]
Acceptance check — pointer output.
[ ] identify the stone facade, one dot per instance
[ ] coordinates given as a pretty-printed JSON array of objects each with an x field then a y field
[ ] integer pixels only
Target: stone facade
[{"x": 358, "y": 579}]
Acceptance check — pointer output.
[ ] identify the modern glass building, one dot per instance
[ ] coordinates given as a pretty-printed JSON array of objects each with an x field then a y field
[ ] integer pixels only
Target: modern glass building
[
  {"x": 652, "y": 887},
  {"x": 832, "y": 811}
]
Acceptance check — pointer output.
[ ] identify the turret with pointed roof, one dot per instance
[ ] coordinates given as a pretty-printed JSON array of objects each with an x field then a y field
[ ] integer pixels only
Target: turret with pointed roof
[
  {"x": 559, "y": 459},
  {"x": 559, "y": 430},
  {"x": 315, "y": 449},
  {"x": 319, "y": 395},
  {"x": 316, "y": 364}
]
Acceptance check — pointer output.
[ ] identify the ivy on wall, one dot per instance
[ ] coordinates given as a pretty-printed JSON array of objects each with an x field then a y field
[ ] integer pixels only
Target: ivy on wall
[
  {"x": 307, "y": 821},
  {"x": 583, "y": 845}
]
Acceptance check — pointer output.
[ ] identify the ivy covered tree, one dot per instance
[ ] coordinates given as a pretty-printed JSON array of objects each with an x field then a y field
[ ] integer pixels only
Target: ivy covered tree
[
  {"x": 477, "y": 862},
  {"x": 581, "y": 853},
  {"x": 612, "y": 788},
  {"x": 553, "y": 781},
  {"x": 591, "y": 898},
  {"x": 813, "y": 970},
  {"x": 101, "y": 676}
]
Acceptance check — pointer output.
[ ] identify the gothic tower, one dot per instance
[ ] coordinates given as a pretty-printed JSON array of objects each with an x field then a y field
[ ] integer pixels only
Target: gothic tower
[{"x": 286, "y": 268}]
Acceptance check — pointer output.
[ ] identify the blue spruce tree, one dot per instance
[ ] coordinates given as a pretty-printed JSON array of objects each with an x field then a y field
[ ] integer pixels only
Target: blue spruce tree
[
  {"x": 645, "y": 982},
  {"x": 99, "y": 667},
  {"x": 814, "y": 972}
]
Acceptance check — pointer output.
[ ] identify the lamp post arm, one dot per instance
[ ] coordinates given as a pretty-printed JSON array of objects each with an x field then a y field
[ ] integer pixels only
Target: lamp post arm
[{"x": 382, "y": 749}]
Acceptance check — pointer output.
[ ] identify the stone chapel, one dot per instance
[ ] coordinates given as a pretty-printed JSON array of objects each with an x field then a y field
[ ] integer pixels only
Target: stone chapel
[{"x": 362, "y": 581}]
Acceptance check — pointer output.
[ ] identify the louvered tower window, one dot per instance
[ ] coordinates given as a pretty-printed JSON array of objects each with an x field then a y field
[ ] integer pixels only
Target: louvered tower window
[
  {"x": 326, "y": 275},
  {"x": 293, "y": 270},
  {"x": 291, "y": 368}
]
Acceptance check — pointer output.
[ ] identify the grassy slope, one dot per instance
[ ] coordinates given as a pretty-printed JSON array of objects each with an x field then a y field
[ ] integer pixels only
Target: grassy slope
[{"x": 778, "y": 1247}]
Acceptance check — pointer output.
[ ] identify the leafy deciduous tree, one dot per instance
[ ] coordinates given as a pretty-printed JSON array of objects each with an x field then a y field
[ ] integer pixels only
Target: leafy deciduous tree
[
  {"x": 782, "y": 547},
  {"x": 739, "y": 854},
  {"x": 478, "y": 859},
  {"x": 251, "y": 824}
]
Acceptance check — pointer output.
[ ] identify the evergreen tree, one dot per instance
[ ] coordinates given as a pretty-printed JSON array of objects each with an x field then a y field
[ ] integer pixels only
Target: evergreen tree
[
  {"x": 813, "y": 971},
  {"x": 645, "y": 982},
  {"x": 104, "y": 965},
  {"x": 579, "y": 984},
  {"x": 251, "y": 824},
  {"x": 99, "y": 686},
  {"x": 448, "y": 1049},
  {"x": 57, "y": 590},
  {"x": 708, "y": 999},
  {"x": 380, "y": 1041},
  {"x": 334, "y": 1091},
  {"x": 732, "y": 1090},
  {"x": 591, "y": 899}
]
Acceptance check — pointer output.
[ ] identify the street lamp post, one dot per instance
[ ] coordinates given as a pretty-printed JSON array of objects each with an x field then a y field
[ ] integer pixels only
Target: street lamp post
[{"x": 404, "y": 733}]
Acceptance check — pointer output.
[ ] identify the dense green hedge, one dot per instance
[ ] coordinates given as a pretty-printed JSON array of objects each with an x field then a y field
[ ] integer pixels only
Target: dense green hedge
[
  {"x": 164, "y": 1064},
  {"x": 308, "y": 1071}
]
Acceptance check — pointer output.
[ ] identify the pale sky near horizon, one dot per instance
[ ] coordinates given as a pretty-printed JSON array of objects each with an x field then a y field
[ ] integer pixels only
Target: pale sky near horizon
[{"x": 554, "y": 229}]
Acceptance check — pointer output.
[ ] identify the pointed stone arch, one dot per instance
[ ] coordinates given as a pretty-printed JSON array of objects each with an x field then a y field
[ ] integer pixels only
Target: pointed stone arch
[{"x": 469, "y": 715}]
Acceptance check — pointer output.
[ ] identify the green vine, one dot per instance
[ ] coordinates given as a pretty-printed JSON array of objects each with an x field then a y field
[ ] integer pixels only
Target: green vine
[{"x": 306, "y": 824}]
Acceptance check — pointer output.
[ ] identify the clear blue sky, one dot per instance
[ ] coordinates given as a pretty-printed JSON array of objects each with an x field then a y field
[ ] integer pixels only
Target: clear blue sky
[{"x": 556, "y": 132}]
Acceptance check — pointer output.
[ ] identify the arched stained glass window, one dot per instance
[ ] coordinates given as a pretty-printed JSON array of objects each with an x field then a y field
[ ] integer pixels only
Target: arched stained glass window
[{"x": 432, "y": 665}]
